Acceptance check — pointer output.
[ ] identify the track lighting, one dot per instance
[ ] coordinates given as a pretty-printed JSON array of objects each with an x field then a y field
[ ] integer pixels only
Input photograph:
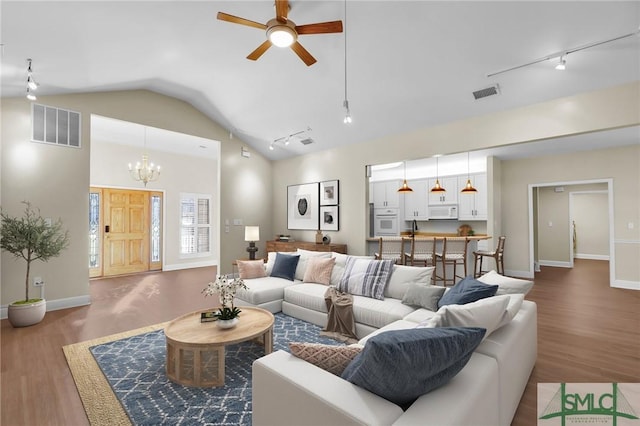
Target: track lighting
[
  {"x": 31, "y": 82},
  {"x": 30, "y": 95},
  {"x": 271, "y": 148},
  {"x": 286, "y": 140},
  {"x": 562, "y": 64},
  {"x": 347, "y": 117}
]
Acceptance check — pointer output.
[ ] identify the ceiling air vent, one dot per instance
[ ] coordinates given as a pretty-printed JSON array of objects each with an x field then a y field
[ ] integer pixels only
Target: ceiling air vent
[
  {"x": 489, "y": 91},
  {"x": 307, "y": 141}
]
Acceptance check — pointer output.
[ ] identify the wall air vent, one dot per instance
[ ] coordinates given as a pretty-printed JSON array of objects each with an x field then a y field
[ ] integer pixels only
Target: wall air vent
[
  {"x": 307, "y": 141},
  {"x": 489, "y": 91},
  {"x": 55, "y": 126}
]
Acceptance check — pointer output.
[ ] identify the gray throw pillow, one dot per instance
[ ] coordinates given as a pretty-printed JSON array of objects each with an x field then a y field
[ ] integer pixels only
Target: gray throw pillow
[
  {"x": 423, "y": 296},
  {"x": 402, "y": 365}
]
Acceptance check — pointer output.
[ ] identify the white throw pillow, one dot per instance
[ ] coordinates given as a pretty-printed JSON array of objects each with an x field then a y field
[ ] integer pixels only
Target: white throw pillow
[
  {"x": 403, "y": 276},
  {"x": 506, "y": 285},
  {"x": 304, "y": 257},
  {"x": 515, "y": 303},
  {"x": 486, "y": 313}
]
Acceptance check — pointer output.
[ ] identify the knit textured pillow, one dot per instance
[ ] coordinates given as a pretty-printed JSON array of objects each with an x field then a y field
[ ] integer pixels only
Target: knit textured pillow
[
  {"x": 319, "y": 270},
  {"x": 248, "y": 269},
  {"x": 334, "y": 359}
]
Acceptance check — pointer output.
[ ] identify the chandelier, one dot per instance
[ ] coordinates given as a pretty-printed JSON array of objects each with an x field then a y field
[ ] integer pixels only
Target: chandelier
[{"x": 144, "y": 171}]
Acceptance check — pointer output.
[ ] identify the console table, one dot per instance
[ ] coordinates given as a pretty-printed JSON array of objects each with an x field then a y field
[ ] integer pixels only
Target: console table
[{"x": 304, "y": 245}]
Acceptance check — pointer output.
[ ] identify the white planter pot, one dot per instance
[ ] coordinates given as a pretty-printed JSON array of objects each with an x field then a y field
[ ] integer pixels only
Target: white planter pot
[
  {"x": 227, "y": 323},
  {"x": 24, "y": 315}
]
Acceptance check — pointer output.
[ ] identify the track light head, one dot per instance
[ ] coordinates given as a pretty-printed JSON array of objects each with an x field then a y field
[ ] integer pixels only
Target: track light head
[{"x": 562, "y": 64}]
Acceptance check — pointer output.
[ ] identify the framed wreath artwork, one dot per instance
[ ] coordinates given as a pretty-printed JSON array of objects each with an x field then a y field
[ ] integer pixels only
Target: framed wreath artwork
[{"x": 302, "y": 206}]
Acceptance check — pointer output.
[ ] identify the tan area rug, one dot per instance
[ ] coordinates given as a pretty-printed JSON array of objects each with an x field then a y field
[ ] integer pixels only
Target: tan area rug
[{"x": 100, "y": 403}]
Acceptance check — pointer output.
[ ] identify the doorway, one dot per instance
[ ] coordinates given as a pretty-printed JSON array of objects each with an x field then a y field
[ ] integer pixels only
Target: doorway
[{"x": 125, "y": 232}]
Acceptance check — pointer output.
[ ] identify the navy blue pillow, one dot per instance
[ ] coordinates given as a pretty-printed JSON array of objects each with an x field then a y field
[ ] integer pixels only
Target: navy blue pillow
[
  {"x": 466, "y": 291},
  {"x": 285, "y": 266},
  {"x": 401, "y": 365}
]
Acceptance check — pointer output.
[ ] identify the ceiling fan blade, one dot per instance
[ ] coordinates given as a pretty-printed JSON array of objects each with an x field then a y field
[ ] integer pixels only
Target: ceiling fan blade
[
  {"x": 237, "y": 20},
  {"x": 320, "y": 28},
  {"x": 282, "y": 9},
  {"x": 259, "y": 51},
  {"x": 303, "y": 54}
]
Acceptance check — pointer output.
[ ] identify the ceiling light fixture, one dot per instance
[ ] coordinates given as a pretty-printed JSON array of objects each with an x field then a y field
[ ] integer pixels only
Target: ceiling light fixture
[
  {"x": 31, "y": 82},
  {"x": 405, "y": 187},
  {"x": 286, "y": 140},
  {"x": 564, "y": 53},
  {"x": 437, "y": 187},
  {"x": 347, "y": 117},
  {"x": 468, "y": 188},
  {"x": 562, "y": 64},
  {"x": 281, "y": 34},
  {"x": 144, "y": 171}
]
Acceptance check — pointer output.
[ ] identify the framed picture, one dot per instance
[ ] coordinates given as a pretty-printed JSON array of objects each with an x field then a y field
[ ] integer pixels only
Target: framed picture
[
  {"x": 329, "y": 218},
  {"x": 329, "y": 193},
  {"x": 302, "y": 206}
]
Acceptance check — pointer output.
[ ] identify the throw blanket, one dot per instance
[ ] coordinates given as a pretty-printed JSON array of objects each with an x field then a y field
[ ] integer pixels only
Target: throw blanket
[{"x": 340, "y": 322}]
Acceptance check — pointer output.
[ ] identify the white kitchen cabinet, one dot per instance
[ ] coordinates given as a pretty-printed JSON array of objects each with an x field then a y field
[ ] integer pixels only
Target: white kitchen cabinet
[
  {"x": 473, "y": 206},
  {"x": 385, "y": 194},
  {"x": 415, "y": 203},
  {"x": 450, "y": 196}
]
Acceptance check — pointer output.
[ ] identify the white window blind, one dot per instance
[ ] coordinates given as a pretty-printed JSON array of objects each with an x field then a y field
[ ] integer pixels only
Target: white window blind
[{"x": 195, "y": 225}]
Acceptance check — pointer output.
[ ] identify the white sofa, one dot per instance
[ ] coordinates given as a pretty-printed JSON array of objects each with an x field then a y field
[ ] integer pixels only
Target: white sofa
[{"x": 486, "y": 391}]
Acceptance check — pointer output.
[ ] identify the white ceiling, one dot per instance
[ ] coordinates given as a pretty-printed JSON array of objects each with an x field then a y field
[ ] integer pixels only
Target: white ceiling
[{"x": 411, "y": 64}]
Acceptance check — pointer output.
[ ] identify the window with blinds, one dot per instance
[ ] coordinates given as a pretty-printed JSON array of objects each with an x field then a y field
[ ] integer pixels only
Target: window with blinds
[{"x": 195, "y": 225}]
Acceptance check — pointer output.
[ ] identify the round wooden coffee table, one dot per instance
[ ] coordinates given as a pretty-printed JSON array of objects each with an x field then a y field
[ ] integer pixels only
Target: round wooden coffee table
[{"x": 195, "y": 350}]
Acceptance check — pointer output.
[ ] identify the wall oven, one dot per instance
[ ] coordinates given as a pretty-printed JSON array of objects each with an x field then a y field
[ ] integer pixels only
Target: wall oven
[{"x": 386, "y": 222}]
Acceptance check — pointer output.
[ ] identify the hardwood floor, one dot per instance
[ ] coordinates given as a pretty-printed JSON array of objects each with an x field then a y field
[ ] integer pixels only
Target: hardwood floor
[{"x": 587, "y": 332}]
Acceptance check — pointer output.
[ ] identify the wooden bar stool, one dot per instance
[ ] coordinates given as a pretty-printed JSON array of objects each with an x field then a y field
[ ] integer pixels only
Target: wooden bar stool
[
  {"x": 391, "y": 248},
  {"x": 454, "y": 252},
  {"x": 497, "y": 254},
  {"x": 423, "y": 252}
]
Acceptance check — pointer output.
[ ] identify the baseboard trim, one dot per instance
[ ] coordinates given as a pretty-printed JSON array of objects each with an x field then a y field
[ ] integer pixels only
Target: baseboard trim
[
  {"x": 178, "y": 266},
  {"x": 554, "y": 263},
  {"x": 519, "y": 274},
  {"x": 628, "y": 285},
  {"x": 591, "y": 256},
  {"x": 56, "y": 304}
]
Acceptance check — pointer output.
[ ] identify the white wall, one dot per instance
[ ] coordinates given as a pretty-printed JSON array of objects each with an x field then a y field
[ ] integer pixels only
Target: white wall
[{"x": 590, "y": 212}]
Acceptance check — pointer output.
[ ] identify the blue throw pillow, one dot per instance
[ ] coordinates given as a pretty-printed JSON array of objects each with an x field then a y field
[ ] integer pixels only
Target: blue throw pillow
[
  {"x": 285, "y": 266},
  {"x": 401, "y": 365},
  {"x": 466, "y": 291}
]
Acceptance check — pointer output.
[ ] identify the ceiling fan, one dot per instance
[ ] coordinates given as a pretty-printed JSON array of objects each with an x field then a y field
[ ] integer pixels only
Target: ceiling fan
[{"x": 283, "y": 32}]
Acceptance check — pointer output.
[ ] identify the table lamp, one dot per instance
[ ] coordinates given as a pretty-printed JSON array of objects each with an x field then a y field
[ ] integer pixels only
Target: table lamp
[{"x": 252, "y": 234}]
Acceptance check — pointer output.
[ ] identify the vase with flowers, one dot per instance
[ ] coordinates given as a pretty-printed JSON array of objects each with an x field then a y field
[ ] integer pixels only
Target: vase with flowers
[{"x": 225, "y": 288}]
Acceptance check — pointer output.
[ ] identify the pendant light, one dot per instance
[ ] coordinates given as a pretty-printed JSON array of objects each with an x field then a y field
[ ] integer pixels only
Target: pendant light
[
  {"x": 405, "y": 187},
  {"x": 468, "y": 188},
  {"x": 437, "y": 187}
]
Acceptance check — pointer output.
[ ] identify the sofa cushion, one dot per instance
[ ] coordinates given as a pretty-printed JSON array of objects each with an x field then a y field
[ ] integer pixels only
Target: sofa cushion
[
  {"x": 271, "y": 260},
  {"x": 285, "y": 266},
  {"x": 248, "y": 269},
  {"x": 341, "y": 262},
  {"x": 332, "y": 358},
  {"x": 402, "y": 365},
  {"x": 486, "y": 313},
  {"x": 423, "y": 296},
  {"x": 318, "y": 270},
  {"x": 365, "y": 277},
  {"x": 467, "y": 290},
  {"x": 307, "y": 295},
  {"x": 403, "y": 276},
  {"x": 378, "y": 313},
  {"x": 263, "y": 290},
  {"x": 305, "y": 256},
  {"x": 419, "y": 315},
  {"x": 506, "y": 285}
]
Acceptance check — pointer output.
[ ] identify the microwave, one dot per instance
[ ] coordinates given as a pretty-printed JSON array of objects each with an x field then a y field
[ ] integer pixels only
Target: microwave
[{"x": 443, "y": 212}]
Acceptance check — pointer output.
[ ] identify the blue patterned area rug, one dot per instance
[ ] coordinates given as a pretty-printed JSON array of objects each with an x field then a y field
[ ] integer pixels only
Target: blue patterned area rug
[{"x": 135, "y": 369}]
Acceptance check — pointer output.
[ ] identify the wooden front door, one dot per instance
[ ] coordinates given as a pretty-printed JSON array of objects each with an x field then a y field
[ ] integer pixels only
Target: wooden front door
[{"x": 126, "y": 231}]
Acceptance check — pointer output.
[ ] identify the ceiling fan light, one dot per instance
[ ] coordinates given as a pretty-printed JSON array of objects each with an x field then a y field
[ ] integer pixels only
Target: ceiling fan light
[{"x": 281, "y": 35}]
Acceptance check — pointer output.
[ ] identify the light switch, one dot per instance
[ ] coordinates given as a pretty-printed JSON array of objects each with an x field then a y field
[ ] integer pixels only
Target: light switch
[
  {"x": 237, "y": 222},
  {"x": 226, "y": 229}
]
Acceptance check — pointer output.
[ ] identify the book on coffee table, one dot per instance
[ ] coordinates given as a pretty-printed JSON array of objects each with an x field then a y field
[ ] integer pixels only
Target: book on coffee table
[{"x": 207, "y": 316}]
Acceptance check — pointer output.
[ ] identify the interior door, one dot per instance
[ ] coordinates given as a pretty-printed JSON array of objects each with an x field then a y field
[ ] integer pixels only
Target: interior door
[{"x": 126, "y": 231}]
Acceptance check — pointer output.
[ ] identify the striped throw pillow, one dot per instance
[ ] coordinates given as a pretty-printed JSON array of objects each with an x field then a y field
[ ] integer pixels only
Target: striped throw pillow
[{"x": 365, "y": 277}]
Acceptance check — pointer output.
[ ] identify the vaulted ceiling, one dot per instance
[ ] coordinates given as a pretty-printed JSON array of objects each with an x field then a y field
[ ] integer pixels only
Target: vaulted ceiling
[{"x": 410, "y": 64}]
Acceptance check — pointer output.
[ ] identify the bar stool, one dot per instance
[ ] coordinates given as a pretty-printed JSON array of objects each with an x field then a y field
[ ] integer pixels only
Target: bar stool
[
  {"x": 423, "y": 251},
  {"x": 391, "y": 248},
  {"x": 497, "y": 254},
  {"x": 454, "y": 252}
]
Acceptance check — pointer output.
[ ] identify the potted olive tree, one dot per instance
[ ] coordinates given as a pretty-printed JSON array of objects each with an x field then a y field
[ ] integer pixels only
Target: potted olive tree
[{"x": 31, "y": 238}]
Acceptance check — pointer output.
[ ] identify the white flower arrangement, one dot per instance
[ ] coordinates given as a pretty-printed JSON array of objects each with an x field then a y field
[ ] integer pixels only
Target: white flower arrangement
[{"x": 226, "y": 289}]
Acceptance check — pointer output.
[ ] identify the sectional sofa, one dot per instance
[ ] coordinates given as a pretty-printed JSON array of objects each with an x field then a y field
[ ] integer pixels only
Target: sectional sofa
[{"x": 486, "y": 391}]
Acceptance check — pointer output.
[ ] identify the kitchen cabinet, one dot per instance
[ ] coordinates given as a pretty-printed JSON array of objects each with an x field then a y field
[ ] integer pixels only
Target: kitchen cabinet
[
  {"x": 473, "y": 206},
  {"x": 415, "y": 203},
  {"x": 450, "y": 196},
  {"x": 385, "y": 194}
]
